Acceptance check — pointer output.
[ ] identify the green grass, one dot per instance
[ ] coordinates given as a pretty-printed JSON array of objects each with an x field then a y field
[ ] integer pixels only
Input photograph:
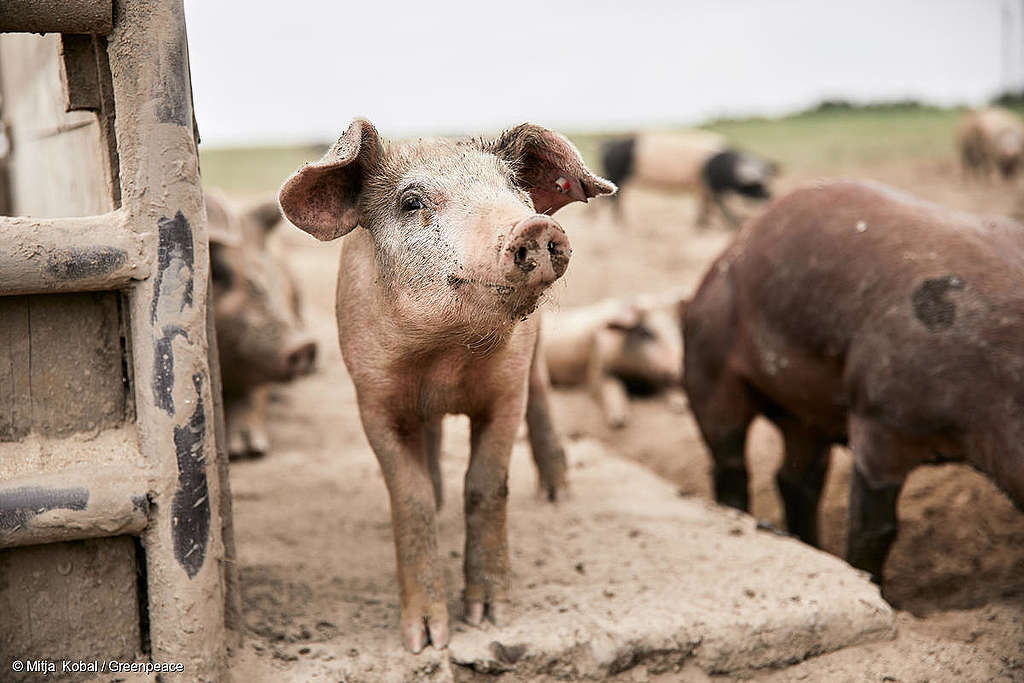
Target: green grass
[
  {"x": 825, "y": 140},
  {"x": 253, "y": 170},
  {"x": 814, "y": 141}
]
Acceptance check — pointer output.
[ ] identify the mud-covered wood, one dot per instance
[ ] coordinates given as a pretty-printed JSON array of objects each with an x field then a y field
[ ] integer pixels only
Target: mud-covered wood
[
  {"x": 85, "y": 502},
  {"x": 57, "y": 16},
  {"x": 73, "y": 601},
  {"x": 78, "y": 72},
  {"x": 71, "y": 254},
  {"x": 61, "y": 366}
]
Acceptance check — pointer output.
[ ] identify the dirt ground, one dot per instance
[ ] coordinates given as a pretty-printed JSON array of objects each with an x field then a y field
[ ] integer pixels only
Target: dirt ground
[{"x": 956, "y": 572}]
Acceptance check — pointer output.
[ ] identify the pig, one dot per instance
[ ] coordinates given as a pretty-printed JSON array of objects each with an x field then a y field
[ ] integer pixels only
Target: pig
[
  {"x": 732, "y": 171},
  {"x": 261, "y": 337},
  {"x": 435, "y": 297},
  {"x": 617, "y": 347},
  {"x": 850, "y": 313},
  {"x": 688, "y": 161},
  {"x": 991, "y": 139}
]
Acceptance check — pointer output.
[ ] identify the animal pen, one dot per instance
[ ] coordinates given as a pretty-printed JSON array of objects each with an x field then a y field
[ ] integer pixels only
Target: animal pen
[{"x": 115, "y": 516}]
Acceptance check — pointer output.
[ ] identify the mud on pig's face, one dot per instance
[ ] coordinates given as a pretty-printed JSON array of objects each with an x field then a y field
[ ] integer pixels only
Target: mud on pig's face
[{"x": 462, "y": 229}]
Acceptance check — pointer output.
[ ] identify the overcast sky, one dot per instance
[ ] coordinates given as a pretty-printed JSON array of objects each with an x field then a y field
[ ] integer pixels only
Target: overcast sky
[{"x": 267, "y": 71}]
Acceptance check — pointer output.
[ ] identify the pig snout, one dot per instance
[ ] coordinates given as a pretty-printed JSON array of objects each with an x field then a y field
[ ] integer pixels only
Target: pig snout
[
  {"x": 537, "y": 252},
  {"x": 298, "y": 360}
]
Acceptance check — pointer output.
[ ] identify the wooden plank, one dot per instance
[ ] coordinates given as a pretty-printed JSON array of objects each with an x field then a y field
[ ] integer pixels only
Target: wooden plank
[
  {"x": 61, "y": 359},
  {"x": 58, "y": 16},
  {"x": 59, "y": 164},
  {"x": 69, "y": 601},
  {"x": 15, "y": 399},
  {"x": 76, "y": 376}
]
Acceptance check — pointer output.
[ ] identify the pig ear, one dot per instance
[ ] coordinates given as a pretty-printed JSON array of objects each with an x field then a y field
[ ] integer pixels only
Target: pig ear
[
  {"x": 549, "y": 167},
  {"x": 322, "y": 198},
  {"x": 625, "y": 319},
  {"x": 266, "y": 214}
]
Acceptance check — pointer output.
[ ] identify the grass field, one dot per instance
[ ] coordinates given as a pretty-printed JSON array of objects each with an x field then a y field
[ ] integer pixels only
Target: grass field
[{"x": 811, "y": 141}]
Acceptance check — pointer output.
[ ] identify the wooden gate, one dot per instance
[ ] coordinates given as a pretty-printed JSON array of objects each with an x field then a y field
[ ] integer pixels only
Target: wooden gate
[{"x": 114, "y": 505}]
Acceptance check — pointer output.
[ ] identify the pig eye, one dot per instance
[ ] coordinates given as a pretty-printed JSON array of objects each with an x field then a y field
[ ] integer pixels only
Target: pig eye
[{"x": 412, "y": 203}]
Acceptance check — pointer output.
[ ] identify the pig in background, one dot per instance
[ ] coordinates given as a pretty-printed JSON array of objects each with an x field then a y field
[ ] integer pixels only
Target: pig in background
[
  {"x": 450, "y": 247},
  {"x": 257, "y": 315},
  {"x": 617, "y": 348},
  {"x": 991, "y": 140},
  {"x": 893, "y": 325},
  {"x": 688, "y": 161}
]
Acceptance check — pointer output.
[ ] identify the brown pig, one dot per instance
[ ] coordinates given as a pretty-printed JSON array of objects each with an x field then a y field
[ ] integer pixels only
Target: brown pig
[
  {"x": 434, "y": 302},
  {"x": 991, "y": 139},
  {"x": 260, "y": 334},
  {"x": 851, "y": 313},
  {"x": 617, "y": 347}
]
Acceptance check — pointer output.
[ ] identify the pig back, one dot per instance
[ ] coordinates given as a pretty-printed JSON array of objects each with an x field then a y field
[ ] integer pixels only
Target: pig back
[
  {"x": 855, "y": 297},
  {"x": 674, "y": 160}
]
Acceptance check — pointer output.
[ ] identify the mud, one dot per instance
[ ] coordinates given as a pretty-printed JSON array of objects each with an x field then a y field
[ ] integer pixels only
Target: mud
[{"x": 956, "y": 573}]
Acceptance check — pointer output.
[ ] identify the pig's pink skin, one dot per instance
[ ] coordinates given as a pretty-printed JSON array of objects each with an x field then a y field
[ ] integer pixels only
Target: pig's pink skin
[{"x": 434, "y": 301}]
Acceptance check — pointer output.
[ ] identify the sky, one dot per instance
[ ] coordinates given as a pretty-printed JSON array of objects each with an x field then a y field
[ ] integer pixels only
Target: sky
[{"x": 273, "y": 72}]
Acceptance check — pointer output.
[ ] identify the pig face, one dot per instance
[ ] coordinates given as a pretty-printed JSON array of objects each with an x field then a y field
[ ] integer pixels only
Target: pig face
[
  {"x": 752, "y": 176},
  {"x": 651, "y": 356},
  {"x": 260, "y": 333},
  {"x": 462, "y": 231},
  {"x": 1009, "y": 150}
]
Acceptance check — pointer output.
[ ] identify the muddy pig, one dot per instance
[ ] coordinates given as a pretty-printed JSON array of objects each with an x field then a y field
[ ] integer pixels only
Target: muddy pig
[
  {"x": 436, "y": 289},
  {"x": 618, "y": 347},
  {"x": 991, "y": 139},
  {"x": 851, "y": 313},
  {"x": 260, "y": 334}
]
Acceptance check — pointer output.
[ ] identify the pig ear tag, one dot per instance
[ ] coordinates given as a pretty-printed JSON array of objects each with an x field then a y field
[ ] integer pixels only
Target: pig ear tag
[{"x": 562, "y": 185}]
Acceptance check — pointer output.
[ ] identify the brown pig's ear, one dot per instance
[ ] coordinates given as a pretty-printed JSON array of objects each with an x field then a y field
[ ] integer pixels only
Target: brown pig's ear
[
  {"x": 322, "y": 198},
  {"x": 549, "y": 167}
]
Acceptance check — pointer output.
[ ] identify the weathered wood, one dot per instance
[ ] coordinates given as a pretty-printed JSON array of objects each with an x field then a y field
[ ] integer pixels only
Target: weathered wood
[
  {"x": 71, "y": 254},
  {"x": 57, "y": 16},
  {"x": 78, "y": 73},
  {"x": 160, "y": 187},
  {"x": 61, "y": 361},
  {"x": 87, "y": 502},
  {"x": 150, "y": 242},
  {"x": 69, "y": 601},
  {"x": 60, "y": 162}
]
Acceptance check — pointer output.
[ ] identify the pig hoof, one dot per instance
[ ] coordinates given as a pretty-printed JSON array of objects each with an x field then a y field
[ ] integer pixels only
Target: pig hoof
[
  {"x": 247, "y": 454},
  {"x": 496, "y": 612},
  {"x": 414, "y": 636},
  {"x": 419, "y": 632},
  {"x": 437, "y": 629},
  {"x": 475, "y": 612}
]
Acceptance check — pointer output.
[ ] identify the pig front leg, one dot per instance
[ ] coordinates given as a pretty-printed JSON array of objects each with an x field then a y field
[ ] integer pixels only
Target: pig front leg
[
  {"x": 548, "y": 454},
  {"x": 398, "y": 441},
  {"x": 245, "y": 422},
  {"x": 881, "y": 462},
  {"x": 486, "y": 501},
  {"x": 726, "y": 213},
  {"x": 608, "y": 391},
  {"x": 432, "y": 433},
  {"x": 802, "y": 477}
]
